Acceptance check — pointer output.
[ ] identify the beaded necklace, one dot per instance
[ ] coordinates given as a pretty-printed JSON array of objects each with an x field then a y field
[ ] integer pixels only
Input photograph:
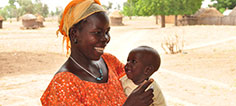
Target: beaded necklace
[{"x": 100, "y": 70}]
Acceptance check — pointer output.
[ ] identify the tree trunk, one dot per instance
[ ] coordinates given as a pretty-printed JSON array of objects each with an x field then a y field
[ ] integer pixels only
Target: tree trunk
[
  {"x": 163, "y": 25},
  {"x": 157, "y": 19},
  {"x": 176, "y": 20},
  {"x": 17, "y": 18},
  {"x": 130, "y": 17}
]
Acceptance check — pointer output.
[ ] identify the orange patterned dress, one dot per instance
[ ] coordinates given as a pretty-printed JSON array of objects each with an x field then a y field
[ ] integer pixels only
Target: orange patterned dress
[{"x": 66, "y": 89}]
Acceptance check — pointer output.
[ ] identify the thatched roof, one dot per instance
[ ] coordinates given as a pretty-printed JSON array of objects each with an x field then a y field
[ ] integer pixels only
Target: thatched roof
[
  {"x": 1, "y": 18},
  {"x": 233, "y": 12},
  {"x": 208, "y": 12},
  {"x": 39, "y": 18},
  {"x": 116, "y": 14},
  {"x": 28, "y": 17}
]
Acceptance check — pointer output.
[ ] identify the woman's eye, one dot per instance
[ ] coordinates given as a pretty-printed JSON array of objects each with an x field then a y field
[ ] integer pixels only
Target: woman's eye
[
  {"x": 134, "y": 61},
  {"x": 97, "y": 33}
]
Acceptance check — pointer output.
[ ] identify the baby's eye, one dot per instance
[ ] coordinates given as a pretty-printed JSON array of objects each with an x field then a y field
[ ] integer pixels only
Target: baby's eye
[{"x": 132, "y": 61}]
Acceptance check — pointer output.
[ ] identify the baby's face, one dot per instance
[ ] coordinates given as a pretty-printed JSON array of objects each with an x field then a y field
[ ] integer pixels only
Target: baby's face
[{"x": 135, "y": 67}]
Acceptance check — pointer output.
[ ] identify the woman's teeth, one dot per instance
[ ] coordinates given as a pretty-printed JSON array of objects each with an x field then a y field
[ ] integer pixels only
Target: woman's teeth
[{"x": 99, "y": 49}]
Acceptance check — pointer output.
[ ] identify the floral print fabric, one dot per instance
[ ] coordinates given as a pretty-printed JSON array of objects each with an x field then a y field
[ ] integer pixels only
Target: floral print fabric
[{"x": 66, "y": 89}]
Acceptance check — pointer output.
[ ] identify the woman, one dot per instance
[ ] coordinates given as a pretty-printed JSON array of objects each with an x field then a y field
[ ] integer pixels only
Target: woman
[{"x": 90, "y": 77}]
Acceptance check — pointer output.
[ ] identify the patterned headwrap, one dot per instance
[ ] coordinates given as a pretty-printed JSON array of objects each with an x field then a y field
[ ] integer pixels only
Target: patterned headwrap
[{"x": 74, "y": 12}]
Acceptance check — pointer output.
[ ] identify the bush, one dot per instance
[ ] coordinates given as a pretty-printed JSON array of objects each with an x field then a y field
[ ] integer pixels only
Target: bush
[{"x": 173, "y": 44}]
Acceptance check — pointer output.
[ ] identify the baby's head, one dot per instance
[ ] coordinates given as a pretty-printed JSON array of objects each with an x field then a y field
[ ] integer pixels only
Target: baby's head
[{"x": 142, "y": 62}]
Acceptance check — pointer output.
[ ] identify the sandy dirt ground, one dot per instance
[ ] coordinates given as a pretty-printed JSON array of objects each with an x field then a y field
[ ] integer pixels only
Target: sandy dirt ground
[{"x": 203, "y": 75}]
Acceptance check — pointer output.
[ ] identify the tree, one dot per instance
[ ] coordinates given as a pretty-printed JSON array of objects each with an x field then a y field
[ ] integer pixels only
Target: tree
[
  {"x": 10, "y": 10},
  {"x": 38, "y": 7},
  {"x": 26, "y": 6},
  {"x": 58, "y": 11},
  {"x": 184, "y": 7},
  {"x": 153, "y": 7},
  {"x": 161, "y": 7},
  {"x": 147, "y": 8},
  {"x": 52, "y": 13},
  {"x": 221, "y": 5},
  {"x": 3, "y": 13},
  {"x": 177, "y": 8},
  {"x": 12, "y": 2},
  {"x": 118, "y": 6},
  {"x": 45, "y": 11},
  {"x": 129, "y": 8},
  {"x": 109, "y": 6}
]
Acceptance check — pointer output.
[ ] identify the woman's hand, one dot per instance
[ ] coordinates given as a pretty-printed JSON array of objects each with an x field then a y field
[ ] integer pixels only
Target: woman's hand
[{"x": 140, "y": 97}]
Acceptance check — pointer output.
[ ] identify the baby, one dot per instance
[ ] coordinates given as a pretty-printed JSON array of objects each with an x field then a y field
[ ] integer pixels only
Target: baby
[{"x": 142, "y": 62}]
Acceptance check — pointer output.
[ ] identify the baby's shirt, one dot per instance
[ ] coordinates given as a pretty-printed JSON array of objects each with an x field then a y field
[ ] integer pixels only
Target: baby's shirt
[{"x": 129, "y": 86}]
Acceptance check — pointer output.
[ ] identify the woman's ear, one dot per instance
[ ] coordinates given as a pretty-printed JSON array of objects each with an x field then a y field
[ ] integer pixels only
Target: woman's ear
[
  {"x": 73, "y": 35},
  {"x": 148, "y": 70}
]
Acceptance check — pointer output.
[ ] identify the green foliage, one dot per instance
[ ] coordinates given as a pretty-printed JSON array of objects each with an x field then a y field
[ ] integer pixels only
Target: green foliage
[
  {"x": 11, "y": 2},
  {"x": 109, "y": 6},
  {"x": 118, "y": 6},
  {"x": 146, "y": 7},
  {"x": 191, "y": 6},
  {"x": 9, "y": 11},
  {"x": 223, "y": 4},
  {"x": 52, "y": 13},
  {"x": 58, "y": 11},
  {"x": 222, "y": 10},
  {"x": 45, "y": 11},
  {"x": 3, "y": 13},
  {"x": 129, "y": 8},
  {"x": 184, "y": 7},
  {"x": 25, "y": 6},
  {"x": 161, "y": 7}
]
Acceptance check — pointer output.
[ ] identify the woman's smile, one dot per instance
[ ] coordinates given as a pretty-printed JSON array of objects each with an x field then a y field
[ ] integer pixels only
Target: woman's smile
[{"x": 99, "y": 49}]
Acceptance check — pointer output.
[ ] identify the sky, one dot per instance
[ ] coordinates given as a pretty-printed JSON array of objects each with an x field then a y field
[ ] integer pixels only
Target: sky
[{"x": 52, "y": 4}]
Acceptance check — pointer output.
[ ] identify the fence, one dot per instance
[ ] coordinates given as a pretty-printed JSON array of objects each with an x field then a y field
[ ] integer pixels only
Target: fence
[{"x": 226, "y": 20}]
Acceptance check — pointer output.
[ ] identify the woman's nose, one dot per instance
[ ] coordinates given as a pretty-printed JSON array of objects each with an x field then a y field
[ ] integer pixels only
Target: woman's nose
[{"x": 105, "y": 38}]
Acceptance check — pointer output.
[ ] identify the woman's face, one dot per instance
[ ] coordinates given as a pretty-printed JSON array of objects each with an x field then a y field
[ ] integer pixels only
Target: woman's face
[{"x": 94, "y": 36}]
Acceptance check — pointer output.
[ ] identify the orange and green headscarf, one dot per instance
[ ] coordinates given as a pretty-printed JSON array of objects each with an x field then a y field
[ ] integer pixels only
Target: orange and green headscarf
[{"x": 74, "y": 12}]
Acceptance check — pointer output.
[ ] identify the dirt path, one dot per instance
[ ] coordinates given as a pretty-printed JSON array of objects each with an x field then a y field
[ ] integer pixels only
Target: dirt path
[
  {"x": 196, "y": 87},
  {"x": 204, "y": 76}
]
